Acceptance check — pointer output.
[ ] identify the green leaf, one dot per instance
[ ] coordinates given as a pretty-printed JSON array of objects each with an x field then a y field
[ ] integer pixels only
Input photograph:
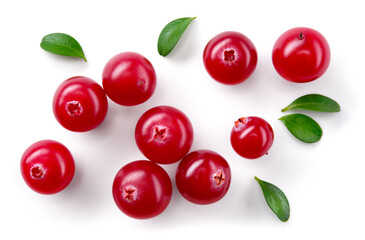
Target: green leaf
[
  {"x": 314, "y": 102},
  {"x": 171, "y": 34},
  {"x": 276, "y": 199},
  {"x": 303, "y": 127},
  {"x": 62, "y": 44}
]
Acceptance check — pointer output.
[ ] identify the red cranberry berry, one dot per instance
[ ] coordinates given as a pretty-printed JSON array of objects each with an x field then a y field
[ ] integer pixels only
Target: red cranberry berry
[
  {"x": 230, "y": 58},
  {"x": 47, "y": 167},
  {"x": 164, "y": 134},
  {"x": 129, "y": 79},
  {"x": 203, "y": 177},
  {"x": 80, "y": 104},
  {"x": 301, "y": 55},
  {"x": 142, "y": 189},
  {"x": 251, "y": 137}
]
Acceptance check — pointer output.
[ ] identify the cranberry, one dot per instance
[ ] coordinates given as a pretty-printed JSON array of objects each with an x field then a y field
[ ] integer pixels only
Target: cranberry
[
  {"x": 251, "y": 137},
  {"x": 80, "y": 104},
  {"x": 230, "y": 58},
  {"x": 164, "y": 134},
  {"x": 129, "y": 79},
  {"x": 47, "y": 167},
  {"x": 142, "y": 189},
  {"x": 203, "y": 177},
  {"x": 301, "y": 55}
]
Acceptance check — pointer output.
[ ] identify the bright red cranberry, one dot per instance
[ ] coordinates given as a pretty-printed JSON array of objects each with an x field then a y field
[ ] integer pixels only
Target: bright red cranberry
[
  {"x": 203, "y": 177},
  {"x": 251, "y": 137},
  {"x": 80, "y": 104},
  {"x": 129, "y": 79},
  {"x": 230, "y": 58},
  {"x": 301, "y": 55},
  {"x": 47, "y": 167},
  {"x": 142, "y": 189},
  {"x": 164, "y": 134}
]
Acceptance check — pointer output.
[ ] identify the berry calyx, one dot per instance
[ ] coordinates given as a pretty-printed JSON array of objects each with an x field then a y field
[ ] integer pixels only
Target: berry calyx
[
  {"x": 239, "y": 121},
  {"x": 219, "y": 178},
  {"x": 229, "y": 55},
  {"x": 74, "y": 108},
  {"x": 37, "y": 171},
  {"x": 129, "y": 193},
  {"x": 160, "y": 133}
]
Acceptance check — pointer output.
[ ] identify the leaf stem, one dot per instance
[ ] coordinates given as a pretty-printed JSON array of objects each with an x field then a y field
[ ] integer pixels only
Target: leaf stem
[{"x": 285, "y": 109}]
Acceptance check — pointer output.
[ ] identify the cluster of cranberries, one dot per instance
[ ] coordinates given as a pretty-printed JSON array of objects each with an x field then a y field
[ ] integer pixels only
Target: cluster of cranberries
[{"x": 142, "y": 189}]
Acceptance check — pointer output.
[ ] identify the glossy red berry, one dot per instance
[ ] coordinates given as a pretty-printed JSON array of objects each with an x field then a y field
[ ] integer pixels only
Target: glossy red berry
[
  {"x": 129, "y": 79},
  {"x": 142, "y": 189},
  {"x": 164, "y": 134},
  {"x": 251, "y": 137},
  {"x": 47, "y": 167},
  {"x": 203, "y": 177},
  {"x": 230, "y": 58},
  {"x": 80, "y": 104},
  {"x": 301, "y": 55}
]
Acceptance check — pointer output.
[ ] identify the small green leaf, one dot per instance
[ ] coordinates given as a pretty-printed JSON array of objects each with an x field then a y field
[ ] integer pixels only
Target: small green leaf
[
  {"x": 302, "y": 127},
  {"x": 62, "y": 44},
  {"x": 171, "y": 34},
  {"x": 276, "y": 199},
  {"x": 314, "y": 102}
]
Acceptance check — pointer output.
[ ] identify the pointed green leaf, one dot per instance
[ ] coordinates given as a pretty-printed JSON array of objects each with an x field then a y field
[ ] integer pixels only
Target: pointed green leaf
[
  {"x": 314, "y": 102},
  {"x": 171, "y": 34},
  {"x": 276, "y": 199},
  {"x": 303, "y": 127},
  {"x": 62, "y": 44}
]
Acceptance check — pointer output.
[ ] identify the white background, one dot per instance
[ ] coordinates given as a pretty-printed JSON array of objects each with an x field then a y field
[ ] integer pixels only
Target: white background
[{"x": 324, "y": 182}]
